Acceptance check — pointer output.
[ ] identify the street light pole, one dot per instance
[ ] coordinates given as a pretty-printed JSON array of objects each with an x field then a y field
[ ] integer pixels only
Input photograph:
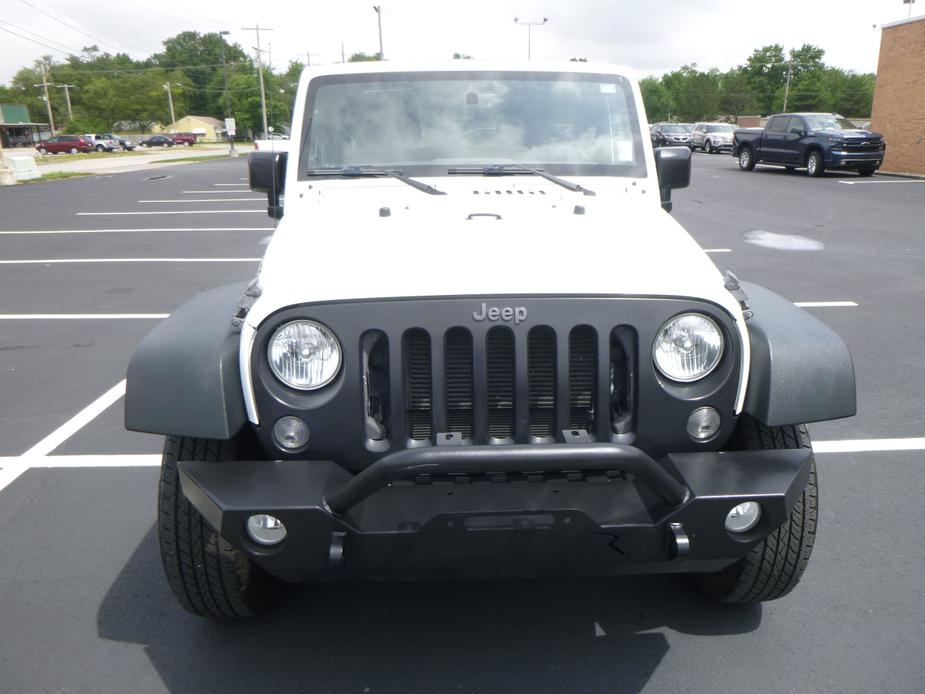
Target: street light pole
[
  {"x": 787, "y": 86},
  {"x": 530, "y": 26},
  {"x": 378, "y": 9},
  {"x": 221, "y": 37}
]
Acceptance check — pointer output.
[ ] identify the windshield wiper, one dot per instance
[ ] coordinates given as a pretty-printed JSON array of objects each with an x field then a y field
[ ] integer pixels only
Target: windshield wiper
[
  {"x": 357, "y": 171},
  {"x": 512, "y": 169}
]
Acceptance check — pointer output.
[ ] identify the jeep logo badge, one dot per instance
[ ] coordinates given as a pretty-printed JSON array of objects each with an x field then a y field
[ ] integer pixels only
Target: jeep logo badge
[{"x": 517, "y": 314}]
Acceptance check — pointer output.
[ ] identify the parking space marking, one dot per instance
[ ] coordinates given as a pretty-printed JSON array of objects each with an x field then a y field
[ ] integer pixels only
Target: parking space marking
[
  {"x": 869, "y": 445},
  {"x": 10, "y": 473},
  {"x": 257, "y": 198},
  {"x": 57, "y": 261},
  {"x": 230, "y": 184},
  {"x": 717, "y": 250},
  {"x": 39, "y": 232},
  {"x": 854, "y": 183},
  {"x": 83, "y": 316},
  {"x": 824, "y": 304},
  {"x": 75, "y": 461},
  {"x": 213, "y": 192},
  {"x": 113, "y": 214}
]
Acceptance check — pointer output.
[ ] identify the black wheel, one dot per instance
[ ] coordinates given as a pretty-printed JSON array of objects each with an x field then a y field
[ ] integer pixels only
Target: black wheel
[
  {"x": 815, "y": 166},
  {"x": 43, "y": 151},
  {"x": 207, "y": 575},
  {"x": 746, "y": 159},
  {"x": 708, "y": 147},
  {"x": 99, "y": 148},
  {"x": 773, "y": 567},
  {"x": 866, "y": 172},
  {"x": 187, "y": 144},
  {"x": 73, "y": 150}
]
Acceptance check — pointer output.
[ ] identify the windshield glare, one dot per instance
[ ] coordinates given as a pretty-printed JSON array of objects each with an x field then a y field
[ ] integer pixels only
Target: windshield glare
[
  {"x": 828, "y": 123},
  {"x": 720, "y": 129},
  {"x": 676, "y": 129},
  {"x": 429, "y": 122}
]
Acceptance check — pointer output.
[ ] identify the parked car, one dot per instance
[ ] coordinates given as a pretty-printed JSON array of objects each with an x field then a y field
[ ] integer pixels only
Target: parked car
[
  {"x": 102, "y": 143},
  {"x": 157, "y": 141},
  {"x": 72, "y": 144},
  {"x": 818, "y": 141},
  {"x": 123, "y": 143},
  {"x": 670, "y": 135},
  {"x": 623, "y": 410},
  {"x": 712, "y": 137},
  {"x": 185, "y": 139}
]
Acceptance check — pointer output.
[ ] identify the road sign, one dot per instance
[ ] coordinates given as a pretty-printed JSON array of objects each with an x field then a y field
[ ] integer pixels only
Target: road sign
[{"x": 230, "y": 127}]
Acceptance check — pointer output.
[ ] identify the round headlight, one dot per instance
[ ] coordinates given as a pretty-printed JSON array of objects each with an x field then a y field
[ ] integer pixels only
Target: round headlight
[
  {"x": 688, "y": 347},
  {"x": 304, "y": 355}
]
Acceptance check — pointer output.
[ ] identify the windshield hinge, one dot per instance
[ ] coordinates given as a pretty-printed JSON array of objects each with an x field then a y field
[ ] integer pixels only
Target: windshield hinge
[{"x": 731, "y": 282}]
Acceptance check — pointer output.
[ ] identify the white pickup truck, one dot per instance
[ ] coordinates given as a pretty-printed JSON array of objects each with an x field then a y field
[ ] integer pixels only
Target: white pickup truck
[{"x": 479, "y": 345}]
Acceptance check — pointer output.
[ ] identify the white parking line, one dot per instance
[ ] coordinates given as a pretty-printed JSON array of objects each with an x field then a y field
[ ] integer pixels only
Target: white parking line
[
  {"x": 74, "y": 461},
  {"x": 9, "y": 474},
  {"x": 213, "y": 192},
  {"x": 83, "y": 316},
  {"x": 254, "y": 198},
  {"x": 717, "y": 250},
  {"x": 854, "y": 183},
  {"x": 113, "y": 214},
  {"x": 824, "y": 304},
  {"x": 869, "y": 445},
  {"x": 230, "y": 184},
  {"x": 127, "y": 231},
  {"x": 58, "y": 261}
]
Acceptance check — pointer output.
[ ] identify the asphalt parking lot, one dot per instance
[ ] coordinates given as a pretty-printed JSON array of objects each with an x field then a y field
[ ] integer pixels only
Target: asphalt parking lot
[{"x": 87, "y": 268}]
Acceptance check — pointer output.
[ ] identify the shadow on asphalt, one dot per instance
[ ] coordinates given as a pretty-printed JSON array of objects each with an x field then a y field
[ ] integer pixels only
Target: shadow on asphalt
[{"x": 533, "y": 635}]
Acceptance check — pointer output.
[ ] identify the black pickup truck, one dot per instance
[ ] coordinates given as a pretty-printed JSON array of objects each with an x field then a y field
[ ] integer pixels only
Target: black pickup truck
[{"x": 817, "y": 141}]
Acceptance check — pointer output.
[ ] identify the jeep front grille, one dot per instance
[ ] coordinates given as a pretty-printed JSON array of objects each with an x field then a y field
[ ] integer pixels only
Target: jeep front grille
[{"x": 500, "y": 386}]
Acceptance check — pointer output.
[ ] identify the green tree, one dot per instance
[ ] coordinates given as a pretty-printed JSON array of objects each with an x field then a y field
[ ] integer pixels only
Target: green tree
[
  {"x": 766, "y": 71},
  {"x": 695, "y": 94},
  {"x": 735, "y": 94},
  {"x": 462, "y": 56},
  {"x": 656, "y": 98},
  {"x": 362, "y": 58}
]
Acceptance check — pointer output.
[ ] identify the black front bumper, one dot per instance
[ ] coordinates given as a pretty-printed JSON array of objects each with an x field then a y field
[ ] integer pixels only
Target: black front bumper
[{"x": 500, "y": 510}]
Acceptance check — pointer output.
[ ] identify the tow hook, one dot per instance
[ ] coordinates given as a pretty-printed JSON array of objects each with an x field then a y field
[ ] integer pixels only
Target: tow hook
[{"x": 680, "y": 541}]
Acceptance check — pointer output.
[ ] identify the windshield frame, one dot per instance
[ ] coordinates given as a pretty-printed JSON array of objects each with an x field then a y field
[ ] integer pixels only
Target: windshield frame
[{"x": 639, "y": 169}]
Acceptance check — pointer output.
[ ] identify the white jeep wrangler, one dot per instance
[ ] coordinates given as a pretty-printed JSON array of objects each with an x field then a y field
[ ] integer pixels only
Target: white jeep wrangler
[{"x": 479, "y": 345}]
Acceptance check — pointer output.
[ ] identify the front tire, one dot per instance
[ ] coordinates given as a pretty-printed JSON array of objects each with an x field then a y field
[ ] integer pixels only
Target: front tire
[
  {"x": 815, "y": 165},
  {"x": 206, "y": 574},
  {"x": 773, "y": 567},
  {"x": 99, "y": 148},
  {"x": 73, "y": 150},
  {"x": 708, "y": 147},
  {"x": 746, "y": 159}
]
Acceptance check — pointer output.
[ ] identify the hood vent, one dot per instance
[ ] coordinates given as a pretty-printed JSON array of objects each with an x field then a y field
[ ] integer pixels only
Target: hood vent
[{"x": 509, "y": 191}]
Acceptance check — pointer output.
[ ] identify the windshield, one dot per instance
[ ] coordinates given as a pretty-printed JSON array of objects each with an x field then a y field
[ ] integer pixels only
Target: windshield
[
  {"x": 828, "y": 123},
  {"x": 720, "y": 128},
  {"x": 676, "y": 129},
  {"x": 425, "y": 123}
]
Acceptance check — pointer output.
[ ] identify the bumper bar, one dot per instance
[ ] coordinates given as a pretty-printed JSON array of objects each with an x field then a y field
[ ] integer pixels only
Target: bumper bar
[{"x": 598, "y": 457}]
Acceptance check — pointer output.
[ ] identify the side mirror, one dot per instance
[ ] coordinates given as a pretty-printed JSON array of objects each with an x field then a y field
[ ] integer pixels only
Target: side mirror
[
  {"x": 267, "y": 174},
  {"x": 673, "y": 167}
]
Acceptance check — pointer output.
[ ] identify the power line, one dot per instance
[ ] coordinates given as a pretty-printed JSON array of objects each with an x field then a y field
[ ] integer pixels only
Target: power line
[
  {"x": 44, "y": 45},
  {"x": 104, "y": 33},
  {"x": 69, "y": 26}
]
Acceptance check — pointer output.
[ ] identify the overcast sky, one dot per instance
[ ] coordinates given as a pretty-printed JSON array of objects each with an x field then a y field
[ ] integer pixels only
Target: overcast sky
[{"x": 652, "y": 36}]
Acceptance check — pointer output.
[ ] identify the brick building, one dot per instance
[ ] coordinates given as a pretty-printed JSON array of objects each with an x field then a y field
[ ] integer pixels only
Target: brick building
[{"x": 899, "y": 97}]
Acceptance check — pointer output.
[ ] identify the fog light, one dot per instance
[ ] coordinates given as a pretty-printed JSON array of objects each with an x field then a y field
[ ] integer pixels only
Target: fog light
[
  {"x": 703, "y": 424},
  {"x": 265, "y": 529},
  {"x": 743, "y": 517},
  {"x": 291, "y": 433}
]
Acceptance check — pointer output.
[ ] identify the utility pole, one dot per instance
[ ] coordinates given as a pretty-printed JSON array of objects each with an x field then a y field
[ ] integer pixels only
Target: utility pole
[
  {"x": 45, "y": 83},
  {"x": 263, "y": 94},
  {"x": 221, "y": 37},
  {"x": 787, "y": 86},
  {"x": 173, "y": 117},
  {"x": 530, "y": 26},
  {"x": 343, "y": 56},
  {"x": 67, "y": 96},
  {"x": 378, "y": 9}
]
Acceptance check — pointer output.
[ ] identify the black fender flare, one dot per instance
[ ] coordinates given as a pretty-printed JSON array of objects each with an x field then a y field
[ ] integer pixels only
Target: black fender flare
[
  {"x": 183, "y": 379},
  {"x": 801, "y": 370}
]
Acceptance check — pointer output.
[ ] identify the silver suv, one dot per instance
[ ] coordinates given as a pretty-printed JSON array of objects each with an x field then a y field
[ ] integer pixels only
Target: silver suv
[
  {"x": 712, "y": 137},
  {"x": 101, "y": 143}
]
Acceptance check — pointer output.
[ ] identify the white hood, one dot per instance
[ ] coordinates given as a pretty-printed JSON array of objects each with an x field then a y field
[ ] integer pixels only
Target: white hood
[{"x": 488, "y": 236}]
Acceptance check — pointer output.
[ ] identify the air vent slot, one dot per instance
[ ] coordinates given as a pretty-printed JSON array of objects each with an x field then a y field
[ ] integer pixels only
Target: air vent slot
[
  {"x": 457, "y": 367},
  {"x": 499, "y": 355},
  {"x": 374, "y": 350},
  {"x": 541, "y": 365},
  {"x": 418, "y": 397},
  {"x": 582, "y": 363},
  {"x": 622, "y": 378}
]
